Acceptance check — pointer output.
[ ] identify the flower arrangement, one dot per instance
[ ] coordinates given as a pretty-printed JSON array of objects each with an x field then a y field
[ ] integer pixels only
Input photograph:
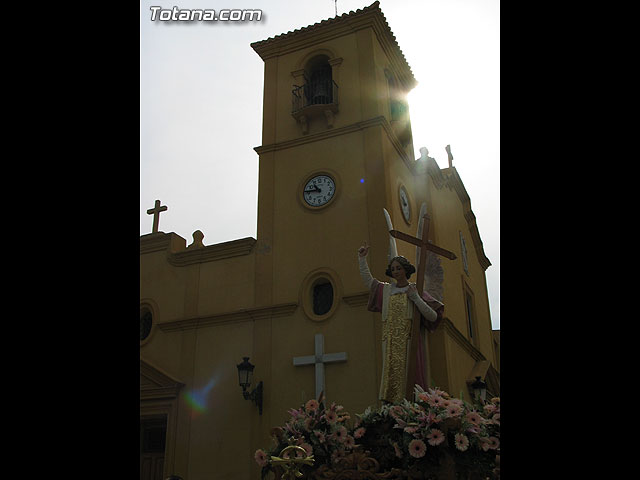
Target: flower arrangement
[
  {"x": 322, "y": 432},
  {"x": 411, "y": 436}
]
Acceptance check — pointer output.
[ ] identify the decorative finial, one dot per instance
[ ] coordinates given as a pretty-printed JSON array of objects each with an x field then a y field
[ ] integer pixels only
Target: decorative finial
[
  {"x": 197, "y": 240},
  {"x": 156, "y": 215}
]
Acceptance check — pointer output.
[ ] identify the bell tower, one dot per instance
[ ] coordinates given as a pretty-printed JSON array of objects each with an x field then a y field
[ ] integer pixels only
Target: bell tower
[{"x": 336, "y": 149}]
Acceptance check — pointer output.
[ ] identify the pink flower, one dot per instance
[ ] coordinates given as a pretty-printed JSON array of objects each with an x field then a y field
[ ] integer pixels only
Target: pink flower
[
  {"x": 437, "y": 391},
  {"x": 423, "y": 397},
  {"x": 341, "y": 434},
  {"x": 396, "y": 411},
  {"x": 489, "y": 408},
  {"x": 359, "y": 432},
  {"x": 417, "y": 448},
  {"x": 311, "y": 406},
  {"x": 331, "y": 417},
  {"x": 474, "y": 418},
  {"x": 462, "y": 442},
  {"x": 496, "y": 419},
  {"x": 436, "y": 401},
  {"x": 294, "y": 413},
  {"x": 319, "y": 435},
  {"x": 307, "y": 423},
  {"x": 349, "y": 442},
  {"x": 485, "y": 443},
  {"x": 399, "y": 423},
  {"x": 454, "y": 410},
  {"x": 307, "y": 448},
  {"x": 261, "y": 458},
  {"x": 410, "y": 429},
  {"x": 494, "y": 443},
  {"x": 433, "y": 418},
  {"x": 397, "y": 449},
  {"x": 417, "y": 409},
  {"x": 337, "y": 455},
  {"x": 436, "y": 437}
]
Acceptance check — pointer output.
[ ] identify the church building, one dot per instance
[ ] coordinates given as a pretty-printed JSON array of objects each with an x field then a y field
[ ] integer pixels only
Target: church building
[{"x": 336, "y": 153}]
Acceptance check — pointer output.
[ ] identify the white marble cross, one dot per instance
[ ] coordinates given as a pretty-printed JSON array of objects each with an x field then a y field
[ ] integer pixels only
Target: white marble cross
[{"x": 319, "y": 359}]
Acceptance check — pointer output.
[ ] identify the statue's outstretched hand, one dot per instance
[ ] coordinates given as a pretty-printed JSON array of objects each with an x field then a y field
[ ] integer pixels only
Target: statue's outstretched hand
[{"x": 363, "y": 250}]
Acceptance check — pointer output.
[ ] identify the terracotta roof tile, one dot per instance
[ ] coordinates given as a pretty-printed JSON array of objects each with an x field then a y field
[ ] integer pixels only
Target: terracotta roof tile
[{"x": 375, "y": 6}]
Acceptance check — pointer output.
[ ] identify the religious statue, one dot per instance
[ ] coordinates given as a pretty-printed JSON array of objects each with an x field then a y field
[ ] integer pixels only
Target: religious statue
[
  {"x": 396, "y": 303},
  {"x": 449, "y": 155}
]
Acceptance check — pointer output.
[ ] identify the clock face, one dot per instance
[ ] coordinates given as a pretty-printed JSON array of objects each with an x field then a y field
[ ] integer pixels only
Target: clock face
[
  {"x": 404, "y": 204},
  {"x": 319, "y": 190}
]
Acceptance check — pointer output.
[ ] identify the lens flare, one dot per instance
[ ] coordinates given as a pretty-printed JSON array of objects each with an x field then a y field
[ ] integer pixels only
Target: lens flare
[{"x": 197, "y": 399}]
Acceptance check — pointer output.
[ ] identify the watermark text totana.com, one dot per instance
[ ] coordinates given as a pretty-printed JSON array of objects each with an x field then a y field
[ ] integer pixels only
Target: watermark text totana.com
[{"x": 203, "y": 15}]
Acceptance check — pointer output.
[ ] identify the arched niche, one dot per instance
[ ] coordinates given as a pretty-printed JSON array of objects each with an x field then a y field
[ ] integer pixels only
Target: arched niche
[{"x": 316, "y": 86}]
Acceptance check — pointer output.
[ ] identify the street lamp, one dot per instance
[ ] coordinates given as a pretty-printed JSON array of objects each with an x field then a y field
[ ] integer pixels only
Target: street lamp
[{"x": 245, "y": 375}]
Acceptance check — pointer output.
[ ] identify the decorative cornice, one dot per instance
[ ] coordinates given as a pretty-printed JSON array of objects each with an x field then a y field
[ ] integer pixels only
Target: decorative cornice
[
  {"x": 452, "y": 179},
  {"x": 242, "y": 315},
  {"x": 295, "y": 142},
  {"x": 180, "y": 256},
  {"x": 457, "y": 184},
  {"x": 156, "y": 242},
  {"x": 379, "y": 121},
  {"x": 461, "y": 340},
  {"x": 157, "y": 384},
  {"x": 357, "y": 299},
  {"x": 211, "y": 253},
  {"x": 346, "y": 23},
  {"x": 159, "y": 393}
]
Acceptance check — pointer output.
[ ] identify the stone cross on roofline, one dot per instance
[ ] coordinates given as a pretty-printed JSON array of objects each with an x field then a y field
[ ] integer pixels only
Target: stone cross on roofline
[{"x": 155, "y": 211}]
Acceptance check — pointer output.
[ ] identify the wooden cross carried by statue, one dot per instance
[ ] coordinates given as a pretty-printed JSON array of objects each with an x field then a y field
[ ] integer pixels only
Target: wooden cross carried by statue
[{"x": 415, "y": 328}]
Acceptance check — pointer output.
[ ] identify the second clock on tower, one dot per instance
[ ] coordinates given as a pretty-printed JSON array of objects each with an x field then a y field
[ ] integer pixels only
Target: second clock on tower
[{"x": 405, "y": 206}]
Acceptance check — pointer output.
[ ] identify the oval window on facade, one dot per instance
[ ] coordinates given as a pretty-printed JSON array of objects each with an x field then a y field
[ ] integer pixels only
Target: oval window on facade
[
  {"x": 146, "y": 322},
  {"x": 322, "y": 297},
  {"x": 320, "y": 292}
]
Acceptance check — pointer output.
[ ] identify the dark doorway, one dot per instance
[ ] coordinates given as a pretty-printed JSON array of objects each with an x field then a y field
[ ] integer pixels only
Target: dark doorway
[{"x": 153, "y": 438}]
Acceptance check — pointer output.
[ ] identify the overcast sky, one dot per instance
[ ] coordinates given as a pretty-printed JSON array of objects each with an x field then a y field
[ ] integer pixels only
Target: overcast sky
[{"x": 201, "y": 87}]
